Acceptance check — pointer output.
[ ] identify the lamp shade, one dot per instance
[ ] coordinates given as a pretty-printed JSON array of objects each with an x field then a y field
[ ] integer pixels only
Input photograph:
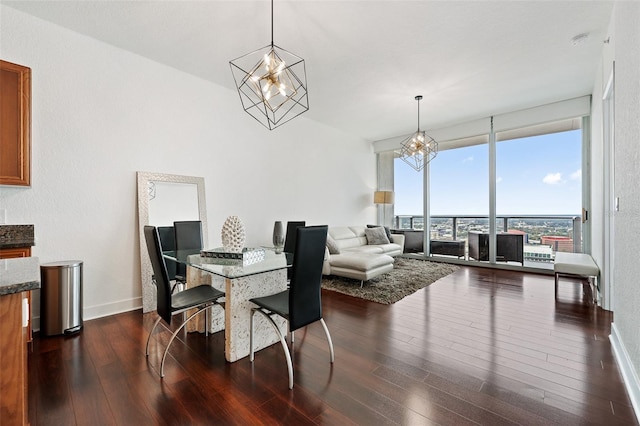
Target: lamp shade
[{"x": 383, "y": 197}]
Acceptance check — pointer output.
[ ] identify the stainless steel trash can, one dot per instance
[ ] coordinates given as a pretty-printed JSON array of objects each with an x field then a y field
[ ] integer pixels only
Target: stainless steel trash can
[{"x": 61, "y": 297}]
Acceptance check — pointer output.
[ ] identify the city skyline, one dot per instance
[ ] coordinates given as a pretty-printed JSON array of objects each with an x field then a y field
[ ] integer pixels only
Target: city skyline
[{"x": 538, "y": 175}]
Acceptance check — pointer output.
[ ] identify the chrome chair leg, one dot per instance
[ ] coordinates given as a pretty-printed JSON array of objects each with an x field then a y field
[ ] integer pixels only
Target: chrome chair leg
[
  {"x": 326, "y": 331},
  {"x": 207, "y": 321},
  {"x": 155, "y": 324},
  {"x": 175, "y": 333},
  {"x": 593, "y": 285},
  {"x": 253, "y": 311},
  {"x": 283, "y": 342}
]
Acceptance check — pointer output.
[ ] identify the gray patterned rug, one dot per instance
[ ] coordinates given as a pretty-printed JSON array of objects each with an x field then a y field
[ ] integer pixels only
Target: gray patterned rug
[{"x": 408, "y": 276}]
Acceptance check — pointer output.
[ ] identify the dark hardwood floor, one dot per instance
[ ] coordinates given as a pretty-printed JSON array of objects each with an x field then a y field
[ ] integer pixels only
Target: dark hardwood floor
[{"x": 480, "y": 346}]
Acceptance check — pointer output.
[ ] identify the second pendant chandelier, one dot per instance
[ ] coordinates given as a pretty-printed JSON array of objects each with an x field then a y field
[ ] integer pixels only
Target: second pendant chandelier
[{"x": 419, "y": 148}]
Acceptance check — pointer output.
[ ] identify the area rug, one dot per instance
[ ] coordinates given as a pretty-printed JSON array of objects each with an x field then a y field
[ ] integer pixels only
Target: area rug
[{"x": 408, "y": 276}]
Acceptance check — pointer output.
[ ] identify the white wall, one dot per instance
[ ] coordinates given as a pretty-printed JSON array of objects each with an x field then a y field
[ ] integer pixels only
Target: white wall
[
  {"x": 99, "y": 114},
  {"x": 623, "y": 49},
  {"x": 627, "y": 176}
]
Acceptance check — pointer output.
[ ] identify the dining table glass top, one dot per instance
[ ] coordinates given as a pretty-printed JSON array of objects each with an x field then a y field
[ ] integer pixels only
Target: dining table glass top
[{"x": 232, "y": 268}]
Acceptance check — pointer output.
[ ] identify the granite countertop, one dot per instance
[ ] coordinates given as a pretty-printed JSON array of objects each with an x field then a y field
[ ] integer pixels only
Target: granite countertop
[
  {"x": 16, "y": 236},
  {"x": 19, "y": 274}
]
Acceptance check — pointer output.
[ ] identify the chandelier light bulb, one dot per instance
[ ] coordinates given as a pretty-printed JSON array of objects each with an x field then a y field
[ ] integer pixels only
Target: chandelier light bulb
[{"x": 270, "y": 78}]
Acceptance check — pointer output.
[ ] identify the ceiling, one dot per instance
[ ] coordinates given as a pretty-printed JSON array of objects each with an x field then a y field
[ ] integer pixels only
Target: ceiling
[{"x": 367, "y": 60}]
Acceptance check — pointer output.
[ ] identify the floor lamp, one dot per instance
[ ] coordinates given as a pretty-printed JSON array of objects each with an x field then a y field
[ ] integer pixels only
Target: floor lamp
[{"x": 383, "y": 197}]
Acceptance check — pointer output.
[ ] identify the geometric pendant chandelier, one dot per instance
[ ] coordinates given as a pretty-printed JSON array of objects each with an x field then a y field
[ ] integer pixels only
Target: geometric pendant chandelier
[
  {"x": 272, "y": 84},
  {"x": 419, "y": 148}
]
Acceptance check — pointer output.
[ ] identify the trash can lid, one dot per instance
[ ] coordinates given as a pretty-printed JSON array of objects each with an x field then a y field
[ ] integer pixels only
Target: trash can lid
[{"x": 62, "y": 264}]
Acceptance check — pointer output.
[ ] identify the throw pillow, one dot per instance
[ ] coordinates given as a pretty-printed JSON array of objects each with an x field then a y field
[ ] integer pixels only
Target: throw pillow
[
  {"x": 386, "y": 230},
  {"x": 332, "y": 245},
  {"x": 376, "y": 236}
]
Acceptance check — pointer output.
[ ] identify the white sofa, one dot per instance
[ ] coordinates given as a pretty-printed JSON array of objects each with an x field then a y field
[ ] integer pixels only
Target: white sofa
[{"x": 356, "y": 258}]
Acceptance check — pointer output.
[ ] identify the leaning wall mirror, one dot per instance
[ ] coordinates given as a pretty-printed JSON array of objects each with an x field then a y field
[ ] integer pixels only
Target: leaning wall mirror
[{"x": 163, "y": 199}]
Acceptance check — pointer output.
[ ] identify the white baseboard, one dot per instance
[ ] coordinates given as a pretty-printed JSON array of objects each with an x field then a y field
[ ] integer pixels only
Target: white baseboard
[
  {"x": 100, "y": 311},
  {"x": 630, "y": 376}
]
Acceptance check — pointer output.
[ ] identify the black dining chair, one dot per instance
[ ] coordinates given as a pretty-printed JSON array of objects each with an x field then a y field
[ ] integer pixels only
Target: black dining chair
[
  {"x": 168, "y": 243},
  {"x": 290, "y": 241},
  {"x": 301, "y": 304},
  {"x": 290, "y": 236},
  {"x": 200, "y": 298},
  {"x": 188, "y": 236}
]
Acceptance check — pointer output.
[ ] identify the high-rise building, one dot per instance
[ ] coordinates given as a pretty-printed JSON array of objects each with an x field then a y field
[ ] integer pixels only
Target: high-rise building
[{"x": 558, "y": 243}]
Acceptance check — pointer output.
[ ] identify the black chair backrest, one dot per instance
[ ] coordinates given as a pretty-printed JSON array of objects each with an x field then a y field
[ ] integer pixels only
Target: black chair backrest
[
  {"x": 290, "y": 236},
  {"x": 305, "y": 303},
  {"x": 159, "y": 272},
  {"x": 168, "y": 243},
  {"x": 188, "y": 236}
]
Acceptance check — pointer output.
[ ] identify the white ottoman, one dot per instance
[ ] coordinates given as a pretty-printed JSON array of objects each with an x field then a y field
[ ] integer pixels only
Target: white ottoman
[
  {"x": 577, "y": 264},
  {"x": 360, "y": 266}
]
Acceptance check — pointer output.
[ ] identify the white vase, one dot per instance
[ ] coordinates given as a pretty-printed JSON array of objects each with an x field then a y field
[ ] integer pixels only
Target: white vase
[{"x": 233, "y": 235}]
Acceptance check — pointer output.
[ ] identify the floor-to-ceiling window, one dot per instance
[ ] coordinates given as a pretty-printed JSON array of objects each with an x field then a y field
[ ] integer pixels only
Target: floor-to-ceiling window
[
  {"x": 532, "y": 187},
  {"x": 459, "y": 193},
  {"x": 539, "y": 192},
  {"x": 409, "y": 205},
  {"x": 409, "y": 196}
]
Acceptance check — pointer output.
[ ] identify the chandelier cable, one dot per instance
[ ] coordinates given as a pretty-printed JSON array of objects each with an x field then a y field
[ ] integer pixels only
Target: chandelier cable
[{"x": 419, "y": 98}]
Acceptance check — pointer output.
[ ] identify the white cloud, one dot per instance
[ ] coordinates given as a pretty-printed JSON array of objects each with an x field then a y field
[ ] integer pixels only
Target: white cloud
[
  {"x": 577, "y": 175},
  {"x": 467, "y": 160},
  {"x": 553, "y": 178}
]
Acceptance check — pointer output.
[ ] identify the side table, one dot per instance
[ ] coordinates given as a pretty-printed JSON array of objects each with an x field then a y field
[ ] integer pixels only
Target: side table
[{"x": 448, "y": 247}]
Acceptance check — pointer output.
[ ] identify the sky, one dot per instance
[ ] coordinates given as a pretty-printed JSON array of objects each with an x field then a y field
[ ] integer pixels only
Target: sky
[{"x": 539, "y": 175}]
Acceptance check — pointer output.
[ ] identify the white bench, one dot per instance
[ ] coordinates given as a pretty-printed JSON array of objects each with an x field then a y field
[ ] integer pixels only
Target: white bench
[{"x": 577, "y": 264}]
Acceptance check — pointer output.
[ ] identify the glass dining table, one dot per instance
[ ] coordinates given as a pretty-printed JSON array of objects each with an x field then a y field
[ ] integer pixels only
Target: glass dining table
[{"x": 241, "y": 281}]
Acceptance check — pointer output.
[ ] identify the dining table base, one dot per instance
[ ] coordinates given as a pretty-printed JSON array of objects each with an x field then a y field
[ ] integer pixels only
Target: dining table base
[{"x": 235, "y": 320}]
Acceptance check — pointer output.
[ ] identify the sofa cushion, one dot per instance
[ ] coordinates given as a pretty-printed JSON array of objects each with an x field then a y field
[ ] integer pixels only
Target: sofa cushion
[
  {"x": 364, "y": 249},
  {"x": 332, "y": 245},
  {"x": 376, "y": 236},
  {"x": 391, "y": 247},
  {"x": 341, "y": 233},
  {"x": 347, "y": 237},
  {"x": 387, "y": 230}
]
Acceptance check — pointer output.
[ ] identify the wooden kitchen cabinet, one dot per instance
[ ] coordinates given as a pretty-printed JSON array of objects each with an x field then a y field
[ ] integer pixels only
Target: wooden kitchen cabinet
[
  {"x": 19, "y": 276},
  {"x": 13, "y": 361},
  {"x": 12, "y": 253},
  {"x": 15, "y": 124}
]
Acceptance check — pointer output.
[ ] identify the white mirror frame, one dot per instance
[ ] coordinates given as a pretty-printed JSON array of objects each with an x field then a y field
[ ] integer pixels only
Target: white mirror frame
[{"x": 144, "y": 181}]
